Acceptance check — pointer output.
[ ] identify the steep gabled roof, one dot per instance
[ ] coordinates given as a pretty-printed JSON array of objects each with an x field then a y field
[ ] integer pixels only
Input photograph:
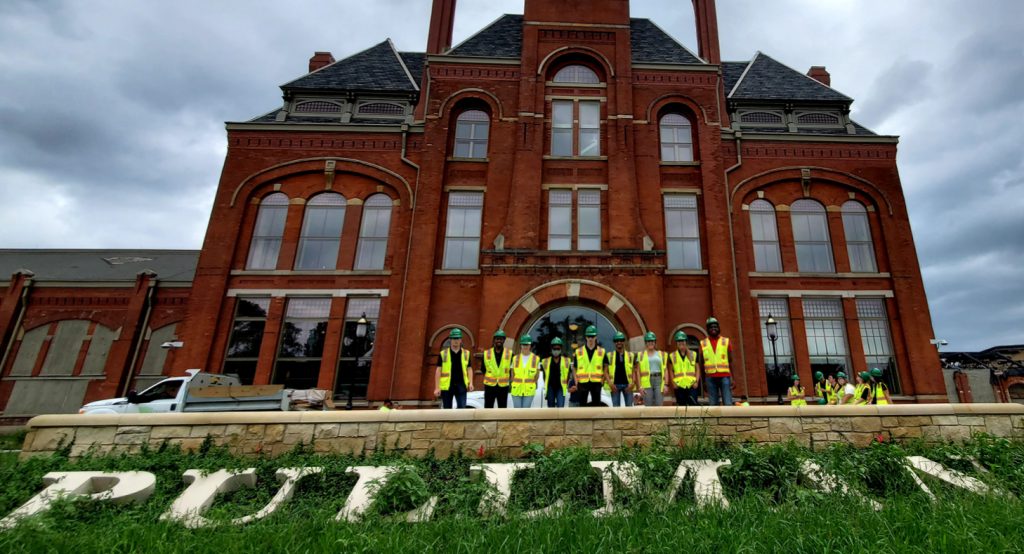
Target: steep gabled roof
[
  {"x": 731, "y": 73},
  {"x": 651, "y": 44},
  {"x": 414, "y": 62},
  {"x": 379, "y": 68},
  {"x": 766, "y": 79}
]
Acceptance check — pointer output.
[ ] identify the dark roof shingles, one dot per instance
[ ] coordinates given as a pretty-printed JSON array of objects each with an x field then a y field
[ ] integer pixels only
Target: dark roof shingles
[
  {"x": 652, "y": 45},
  {"x": 767, "y": 79},
  {"x": 375, "y": 69},
  {"x": 100, "y": 265},
  {"x": 501, "y": 39}
]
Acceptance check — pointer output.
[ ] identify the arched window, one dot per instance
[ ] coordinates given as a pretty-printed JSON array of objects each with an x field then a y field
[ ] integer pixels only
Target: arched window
[
  {"x": 373, "y": 232},
  {"x": 858, "y": 238},
  {"x": 576, "y": 74},
  {"x": 810, "y": 234},
  {"x": 266, "y": 237},
  {"x": 765, "y": 234},
  {"x": 676, "y": 138},
  {"x": 471, "y": 130},
  {"x": 321, "y": 232}
]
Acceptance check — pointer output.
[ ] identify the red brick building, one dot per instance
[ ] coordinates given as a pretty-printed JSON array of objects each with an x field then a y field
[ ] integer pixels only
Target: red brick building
[{"x": 567, "y": 166}]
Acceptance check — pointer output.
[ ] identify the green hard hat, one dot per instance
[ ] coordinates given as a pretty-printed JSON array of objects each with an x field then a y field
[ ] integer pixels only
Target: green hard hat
[
  {"x": 796, "y": 377},
  {"x": 875, "y": 372},
  {"x": 865, "y": 375},
  {"x": 455, "y": 334},
  {"x": 499, "y": 334},
  {"x": 818, "y": 376},
  {"x": 710, "y": 321},
  {"x": 649, "y": 336},
  {"x": 822, "y": 401},
  {"x": 526, "y": 339},
  {"x": 591, "y": 331},
  {"x": 620, "y": 337},
  {"x": 840, "y": 375},
  {"x": 680, "y": 336},
  {"x": 556, "y": 342}
]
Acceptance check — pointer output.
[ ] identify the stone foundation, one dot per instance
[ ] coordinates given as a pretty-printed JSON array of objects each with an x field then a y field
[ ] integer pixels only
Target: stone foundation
[{"x": 505, "y": 432}]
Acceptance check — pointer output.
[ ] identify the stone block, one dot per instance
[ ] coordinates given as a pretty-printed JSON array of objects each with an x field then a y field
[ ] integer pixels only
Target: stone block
[
  {"x": 1000, "y": 426},
  {"x": 273, "y": 433},
  {"x": 428, "y": 433},
  {"x": 349, "y": 430},
  {"x": 202, "y": 431},
  {"x": 606, "y": 439},
  {"x": 481, "y": 430},
  {"x": 905, "y": 432},
  {"x": 253, "y": 432},
  {"x": 860, "y": 440},
  {"x": 970, "y": 420},
  {"x": 866, "y": 424},
  {"x": 187, "y": 444},
  {"x": 890, "y": 421},
  {"x": 86, "y": 436},
  {"x": 170, "y": 431},
  {"x": 470, "y": 446},
  {"x": 294, "y": 434},
  {"x": 548, "y": 428},
  {"x": 367, "y": 429},
  {"x": 930, "y": 432},
  {"x": 442, "y": 449},
  {"x": 564, "y": 441},
  {"x": 650, "y": 427},
  {"x": 623, "y": 424},
  {"x": 914, "y": 421},
  {"x": 785, "y": 425},
  {"x": 604, "y": 424},
  {"x": 410, "y": 426},
  {"x": 513, "y": 433},
  {"x": 640, "y": 440},
  {"x": 578, "y": 427},
  {"x": 324, "y": 431},
  {"x": 343, "y": 445},
  {"x": 453, "y": 430},
  {"x": 420, "y": 444},
  {"x": 817, "y": 425},
  {"x": 94, "y": 449},
  {"x": 239, "y": 430},
  {"x": 755, "y": 435},
  {"x": 945, "y": 420},
  {"x": 954, "y": 433},
  {"x": 393, "y": 440},
  {"x": 840, "y": 424}
]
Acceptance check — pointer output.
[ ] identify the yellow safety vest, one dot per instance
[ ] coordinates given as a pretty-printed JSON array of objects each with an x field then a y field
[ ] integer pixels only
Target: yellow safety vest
[
  {"x": 497, "y": 374},
  {"x": 858, "y": 394},
  {"x": 385, "y": 409},
  {"x": 563, "y": 371},
  {"x": 716, "y": 362},
  {"x": 645, "y": 368},
  {"x": 797, "y": 391},
  {"x": 446, "y": 368},
  {"x": 684, "y": 370},
  {"x": 879, "y": 394},
  {"x": 524, "y": 375},
  {"x": 823, "y": 390},
  {"x": 613, "y": 356},
  {"x": 841, "y": 392},
  {"x": 589, "y": 371}
]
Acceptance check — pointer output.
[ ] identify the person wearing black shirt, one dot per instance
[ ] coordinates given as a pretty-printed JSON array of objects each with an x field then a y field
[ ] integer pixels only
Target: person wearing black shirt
[
  {"x": 556, "y": 376},
  {"x": 453, "y": 376},
  {"x": 619, "y": 373}
]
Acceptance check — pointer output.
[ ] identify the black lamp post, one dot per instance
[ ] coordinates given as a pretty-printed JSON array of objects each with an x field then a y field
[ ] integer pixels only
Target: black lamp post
[
  {"x": 772, "y": 327},
  {"x": 361, "y": 327}
]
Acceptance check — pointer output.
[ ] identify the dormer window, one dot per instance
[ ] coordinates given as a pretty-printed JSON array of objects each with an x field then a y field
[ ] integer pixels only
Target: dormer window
[
  {"x": 382, "y": 108},
  {"x": 317, "y": 106},
  {"x": 818, "y": 118},
  {"x": 762, "y": 118}
]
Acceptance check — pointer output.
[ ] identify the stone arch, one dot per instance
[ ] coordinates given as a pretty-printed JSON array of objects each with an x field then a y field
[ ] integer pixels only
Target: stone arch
[
  {"x": 322, "y": 165},
  {"x": 476, "y": 93},
  {"x": 441, "y": 333},
  {"x": 557, "y": 53},
  {"x": 562, "y": 291},
  {"x": 773, "y": 176},
  {"x": 659, "y": 103},
  {"x": 686, "y": 328}
]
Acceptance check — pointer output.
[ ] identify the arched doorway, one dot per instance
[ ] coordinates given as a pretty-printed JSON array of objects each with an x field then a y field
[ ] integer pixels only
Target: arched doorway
[{"x": 569, "y": 322}]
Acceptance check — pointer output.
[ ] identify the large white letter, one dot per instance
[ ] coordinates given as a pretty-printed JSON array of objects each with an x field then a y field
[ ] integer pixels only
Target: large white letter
[
  {"x": 119, "y": 488},
  {"x": 625, "y": 472},
  {"x": 201, "y": 492},
  {"x": 707, "y": 488},
  {"x": 830, "y": 483},
  {"x": 289, "y": 479},
  {"x": 498, "y": 476},
  {"x": 950, "y": 476},
  {"x": 371, "y": 479}
]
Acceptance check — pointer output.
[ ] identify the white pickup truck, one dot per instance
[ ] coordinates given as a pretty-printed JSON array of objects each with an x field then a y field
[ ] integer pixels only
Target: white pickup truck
[{"x": 196, "y": 392}]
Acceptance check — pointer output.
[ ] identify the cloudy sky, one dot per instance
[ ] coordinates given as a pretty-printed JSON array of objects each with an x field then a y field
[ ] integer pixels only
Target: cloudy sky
[{"x": 112, "y": 111}]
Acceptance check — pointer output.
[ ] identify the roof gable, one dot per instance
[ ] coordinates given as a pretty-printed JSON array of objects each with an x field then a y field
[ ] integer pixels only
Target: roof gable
[
  {"x": 650, "y": 44},
  {"x": 501, "y": 39},
  {"x": 767, "y": 79},
  {"x": 378, "y": 68}
]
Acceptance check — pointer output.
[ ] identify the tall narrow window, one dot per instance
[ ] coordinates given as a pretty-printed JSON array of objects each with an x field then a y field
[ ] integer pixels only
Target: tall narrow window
[
  {"x": 576, "y": 128},
  {"x": 246, "y": 338},
  {"x": 590, "y": 128},
  {"x": 373, "y": 232},
  {"x": 826, "y": 335},
  {"x": 266, "y": 237},
  {"x": 321, "y": 232},
  {"x": 302, "y": 342},
  {"x": 874, "y": 333},
  {"x": 682, "y": 231},
  {"x": 357, "y": 346},
  {"x": 676, "y": 138},
  {"x": 858, "y": 238},
  {"x": 560, "y": 219},
  {"x": 471, "y": 134},
  {"x": 561, "y": 128},
  {"x": 462, "y": 234},
  {"x": 810, "y": 233},
  {"x": 765, "y": 234},
  {"x": 588, "y": 235},
  {"x": 778, "y": 309}
]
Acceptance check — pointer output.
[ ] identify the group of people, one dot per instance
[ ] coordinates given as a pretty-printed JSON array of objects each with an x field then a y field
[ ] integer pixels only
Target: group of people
[
  {"x": 837, "y": 390},
  {"x": 579, "y": 376}
]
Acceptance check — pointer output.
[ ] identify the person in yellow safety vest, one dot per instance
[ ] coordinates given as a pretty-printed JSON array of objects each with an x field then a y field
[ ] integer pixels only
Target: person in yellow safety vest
[
  {"x": 844, "y": 390},
  {"x": 525, "y": 370},
  {"x": 796, "y": 395},
  {"x": 589, "y": 369},
  {"x": 620, "y": 374},
  {"x": 497, "y": 372},
  {"x": 821, "y": 389},
  {"x": 649, "y": 364},
  {"x": 832, "y": 390},
  {"x": 879, "y": 392},
  {"x": 715, "y": 362},
  {"x": 861, "y": 390},
  {"x": 556, "y": 375},
  {"x": 453, "y": 377},
  {"x": 682, "y": 372},
  {"x": 387, "y": 406}
]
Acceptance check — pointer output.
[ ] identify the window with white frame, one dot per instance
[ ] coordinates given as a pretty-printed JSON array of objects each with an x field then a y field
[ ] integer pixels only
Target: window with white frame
[
  {"x": 302, "y": 342},
  {"x": 321, "y": 232},
  {"x": 765, "y": 234},
  {"x": 356, "y": 354},
  {"x": 462, "y": 233},
  {"x": 810, "y": 234},
  {"x": 373, "y": 232},
  {"x": 676, "y": 138},
  {"x": 777, "y": 309},
  {"x": 588, "y": 236},
  {"x": 580, "y": 74},
  {"x": 826, "y": 335},
  {"x": 877, "y": 340},
  {"x": 471, "y": 131},
  {"x": 560, "y": 219},
  {"x": 588, "y": 219},
  {"x": 266, "y": 237},
  {"x": 858, "y": 238},
  {"x": 576, "y": 128},
  {"x": 682, "y": 231}
]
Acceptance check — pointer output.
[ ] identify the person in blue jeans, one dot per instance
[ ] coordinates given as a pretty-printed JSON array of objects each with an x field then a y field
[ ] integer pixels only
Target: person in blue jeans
[
  {"x": 556, "y": 375},
  {"x": 619, "y": 373},
  {"x": 715, "y": 360},
  {"x": 454, "y": 375}
]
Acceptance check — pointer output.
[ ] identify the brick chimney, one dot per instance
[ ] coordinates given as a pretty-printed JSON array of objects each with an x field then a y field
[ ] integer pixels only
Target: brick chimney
[
  {"x": 442, "y": 24},
  {"x": 820, "y": 74},
  {"x": 320, "y": 59},
  {"x": 707, "y": 31}
]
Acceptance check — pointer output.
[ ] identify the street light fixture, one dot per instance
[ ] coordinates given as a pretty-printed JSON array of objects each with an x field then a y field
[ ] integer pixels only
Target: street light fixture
[
  {"x": 772, "y": 327},
  {"x": 362, "y": 325}
]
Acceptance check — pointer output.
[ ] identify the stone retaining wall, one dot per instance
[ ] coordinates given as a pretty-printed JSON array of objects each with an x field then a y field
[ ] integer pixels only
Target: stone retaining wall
[{"x": 505, "y": 432}]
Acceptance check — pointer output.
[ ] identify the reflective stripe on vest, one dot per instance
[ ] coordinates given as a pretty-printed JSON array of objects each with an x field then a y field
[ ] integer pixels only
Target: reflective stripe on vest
[
  {"x": 627, "y": 358},
  {"x": 496, "y": 374},
  {"x": 644, "y": 361},
  {"x": 446, "y": 368},
  {"x": 589, "y": 370},
  {"x": 797, "y": 392},
  {"x": 524, "y": 375},
  {"x": 563, "y": 373},
  {"x": 858, "y": 394},
  {"x": 684, "y": 370},
  {"x": 878, "y": 394},
  {"x": 716, "y": 362}
]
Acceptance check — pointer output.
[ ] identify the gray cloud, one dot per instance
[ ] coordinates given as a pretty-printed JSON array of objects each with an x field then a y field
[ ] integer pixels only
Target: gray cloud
[{"x": 111, "y": 114}]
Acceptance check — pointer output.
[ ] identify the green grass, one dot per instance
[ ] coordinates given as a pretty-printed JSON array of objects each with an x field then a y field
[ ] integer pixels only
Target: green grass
[{"x": 772, "y": 510}]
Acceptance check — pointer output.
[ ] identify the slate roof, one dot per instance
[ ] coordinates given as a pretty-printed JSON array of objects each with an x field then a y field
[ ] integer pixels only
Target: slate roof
[
  {"x": 650, "y": 44},
  {"x": 414, "y": 61},
  {"x": 767, "y": 79},
  {"x": 378, "y": 68},
  {"x": 100, "y": 265}
]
